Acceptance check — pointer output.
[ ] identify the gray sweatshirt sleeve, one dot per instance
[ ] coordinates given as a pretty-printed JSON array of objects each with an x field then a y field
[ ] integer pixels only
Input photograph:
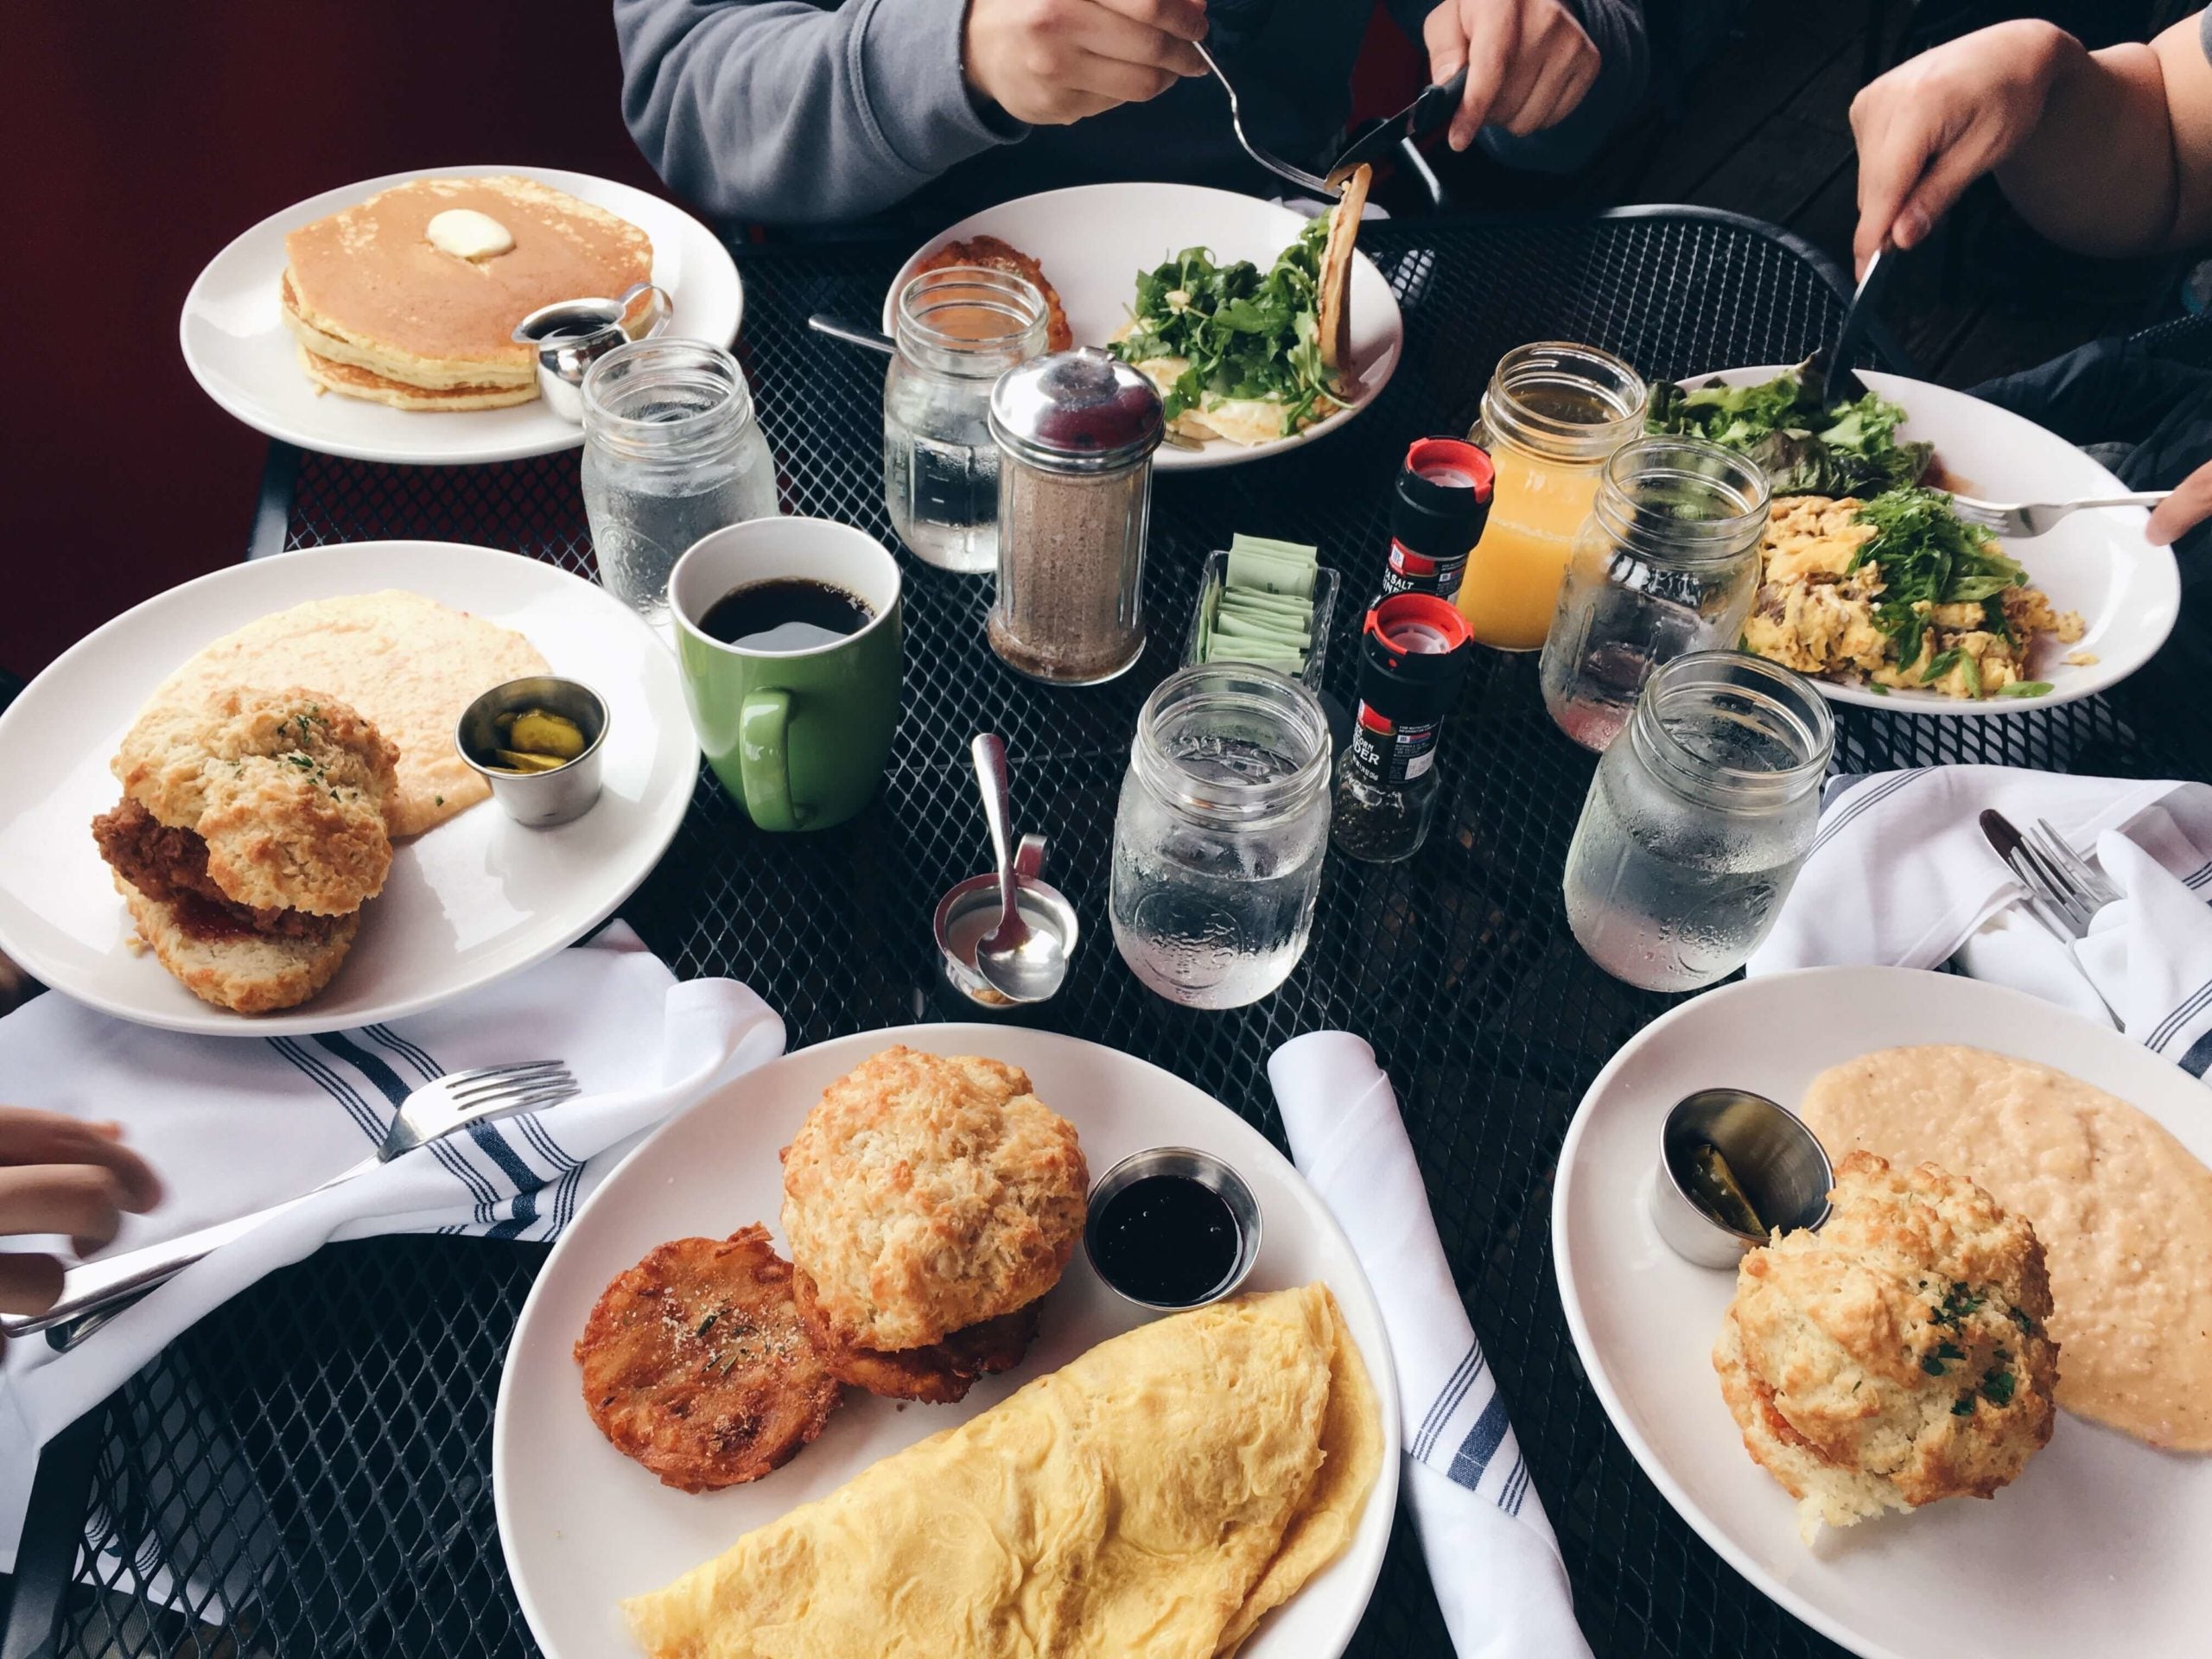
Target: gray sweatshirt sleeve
[{"x": 779, "y": 111}]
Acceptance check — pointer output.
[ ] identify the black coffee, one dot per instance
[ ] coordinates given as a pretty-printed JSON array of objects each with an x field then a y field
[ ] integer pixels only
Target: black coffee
[{"x": 785, "y": 613}]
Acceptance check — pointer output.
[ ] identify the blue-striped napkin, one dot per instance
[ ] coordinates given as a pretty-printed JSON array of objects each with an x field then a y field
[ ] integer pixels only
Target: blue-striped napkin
[
  {"x": 1900, "y": 873},
  {"x": 1490, "y": 1552},
  {"x": 235, "y": 1124}
]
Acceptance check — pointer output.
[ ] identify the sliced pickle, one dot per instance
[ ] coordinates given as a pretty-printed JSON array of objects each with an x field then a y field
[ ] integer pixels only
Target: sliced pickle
[{"x": 1713, "y": 1184}]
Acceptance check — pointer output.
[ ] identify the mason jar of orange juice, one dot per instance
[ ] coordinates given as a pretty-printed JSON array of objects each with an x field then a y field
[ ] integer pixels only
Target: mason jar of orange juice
[{"x": 1551, "y": 417}]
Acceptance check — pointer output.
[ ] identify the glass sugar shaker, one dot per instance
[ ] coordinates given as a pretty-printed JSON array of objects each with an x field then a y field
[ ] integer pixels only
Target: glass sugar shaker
[
  {"x": 958, "y": 328},
  {"x": 1414, "y": 652},
  {"x": 1220, "y": 833},
  {"x": 671, "y": 451},
  {"x": 1668, "y": 563},
  {"x": 1076, "y": 433}
]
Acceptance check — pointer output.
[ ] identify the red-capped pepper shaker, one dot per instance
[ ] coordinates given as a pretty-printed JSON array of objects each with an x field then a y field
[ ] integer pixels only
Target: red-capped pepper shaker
[
  {"x": 1413, "y": 650},
  {"x": 1437, "y": 515}
]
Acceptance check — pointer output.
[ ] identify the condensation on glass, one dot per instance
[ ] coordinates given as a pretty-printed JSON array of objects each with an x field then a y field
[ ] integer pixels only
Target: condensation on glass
[
  {"x": 671, "y": 451},
  {"x": 1220, "y": 836},
  {"x": 1698, "y": 820}
]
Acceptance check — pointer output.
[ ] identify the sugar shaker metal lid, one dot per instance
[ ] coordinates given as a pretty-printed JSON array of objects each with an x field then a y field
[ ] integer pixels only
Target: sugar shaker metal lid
[{"x": 1078, "y": 411}]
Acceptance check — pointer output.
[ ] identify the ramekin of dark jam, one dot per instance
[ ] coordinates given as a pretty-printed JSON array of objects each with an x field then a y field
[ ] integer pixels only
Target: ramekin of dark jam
[{"x": 1172, "y": 1227}]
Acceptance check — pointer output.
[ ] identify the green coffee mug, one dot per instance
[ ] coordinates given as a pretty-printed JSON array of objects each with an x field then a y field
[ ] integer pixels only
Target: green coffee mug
[{"x": 798, "y": 737}]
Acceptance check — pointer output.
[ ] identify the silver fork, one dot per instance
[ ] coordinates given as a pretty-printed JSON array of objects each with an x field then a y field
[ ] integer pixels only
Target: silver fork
[
  {"x": 2090, "y": 884},
  {"x": 1282, "y": 169},
  {"x": 432, "y": 1112},
  {"x": 2033, "y": 518}
]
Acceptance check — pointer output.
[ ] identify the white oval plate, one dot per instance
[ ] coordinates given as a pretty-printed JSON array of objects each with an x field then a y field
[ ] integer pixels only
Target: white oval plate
[
  {"x": 2098, "y": 1548},
  {"x": 476, "y": 898},
  {"x": 583, "y": 1527},
  {"x": 2127, "y": 591},
  {"x": 1093, "y": 239},
  {"x": 237, "y": 345}
]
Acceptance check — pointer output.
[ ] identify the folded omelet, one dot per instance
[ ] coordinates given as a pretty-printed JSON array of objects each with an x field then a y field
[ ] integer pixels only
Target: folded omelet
[{"x": 1156, "y": 1496}]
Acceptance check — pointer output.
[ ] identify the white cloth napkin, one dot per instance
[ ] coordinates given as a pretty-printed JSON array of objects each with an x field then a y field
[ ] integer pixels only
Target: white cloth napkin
[
  {"x": 233, "y": 1124},
  {"x": 1900, "y": 873},
  {"x": 1490, "y": 1552},
  {"x": 2150, "y": 953}
]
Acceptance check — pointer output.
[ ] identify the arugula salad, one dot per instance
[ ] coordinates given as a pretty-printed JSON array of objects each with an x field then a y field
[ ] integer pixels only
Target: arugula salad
[
  {"x": 1805, "y": 445},
  {"x": 1867, "y": 576},
  {"x": 1235, "y": 351}
]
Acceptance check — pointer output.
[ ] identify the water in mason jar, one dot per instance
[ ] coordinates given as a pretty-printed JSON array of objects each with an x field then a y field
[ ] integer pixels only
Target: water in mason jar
[
  {"x": 1591, "y": 681},
  {"x": 1213, "y": 921},
  {"x": 943, "y": 495},
  {"x": 640, "y": 525},
  {"x": 1672, "y": 896}
]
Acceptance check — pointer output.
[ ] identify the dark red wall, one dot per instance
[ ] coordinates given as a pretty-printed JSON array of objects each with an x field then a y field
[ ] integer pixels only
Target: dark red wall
[{"x": 138, "y": 139}]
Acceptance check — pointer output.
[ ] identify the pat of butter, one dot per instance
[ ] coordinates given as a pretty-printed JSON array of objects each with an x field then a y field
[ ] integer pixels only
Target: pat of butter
[{"x": 466, "y": 234}]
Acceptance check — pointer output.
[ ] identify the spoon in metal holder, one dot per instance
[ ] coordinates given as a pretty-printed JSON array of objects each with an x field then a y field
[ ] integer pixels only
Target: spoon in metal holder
[{"x": 1022, "y": 963}]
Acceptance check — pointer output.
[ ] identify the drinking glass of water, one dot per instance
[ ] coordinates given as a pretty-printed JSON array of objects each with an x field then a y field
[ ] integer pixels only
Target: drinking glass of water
[
  {"x": 1219, "y": 839},
  {"x": 1698, "y": 819},
  {"x": 1667, "y": 564},
  {"x": 671, "y": 451}
]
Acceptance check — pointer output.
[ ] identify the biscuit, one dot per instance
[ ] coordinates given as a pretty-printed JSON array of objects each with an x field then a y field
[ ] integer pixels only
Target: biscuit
[
  {"x": 286, "y": 788},
  {"x": 925, "y": 1194},
  {"x": 1899, "y": 1355},
  {"x": 247, "y": 973}
]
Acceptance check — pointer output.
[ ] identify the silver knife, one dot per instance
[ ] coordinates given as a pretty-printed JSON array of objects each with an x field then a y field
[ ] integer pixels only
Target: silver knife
[
  {"x": 1431, "y": 108},
  {"x": 2003, "y": 836}
]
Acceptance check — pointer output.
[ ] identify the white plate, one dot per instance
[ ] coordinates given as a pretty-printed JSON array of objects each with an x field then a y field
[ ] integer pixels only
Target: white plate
[
  {"x": 1093, "y": 239},
  {"x": 2098, "y": 1548},
  {"x": 478, "y": 897},
  {"x": 2127, "y": 591},
  {"x": 237, "y": 345},
  {"x": 583, "y": 1526}
]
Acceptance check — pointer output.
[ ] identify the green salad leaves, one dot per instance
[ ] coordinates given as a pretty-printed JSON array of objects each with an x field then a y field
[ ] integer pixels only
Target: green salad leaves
[
  {"x": 1247, "y": 333},
  {"x": 1806, "y": 445},
  {"x": 1929, "y": 557}
]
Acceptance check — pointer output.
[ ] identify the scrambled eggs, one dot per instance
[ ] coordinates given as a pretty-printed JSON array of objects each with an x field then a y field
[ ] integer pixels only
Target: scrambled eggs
[{"x": 1815, "y": 613}]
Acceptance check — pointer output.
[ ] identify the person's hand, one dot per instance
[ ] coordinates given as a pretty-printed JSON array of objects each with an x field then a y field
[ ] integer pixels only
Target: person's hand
[
  {"x": 1049, "y": 62},
  {"x": 2190, "y": 505},
  {"x": 1938, "y": 121},
  {"x": 1529, "y": 63},
  {"x": 63, "y": 1175}
]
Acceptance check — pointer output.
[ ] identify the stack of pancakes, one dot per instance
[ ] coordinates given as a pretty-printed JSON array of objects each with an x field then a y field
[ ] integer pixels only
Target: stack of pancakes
[{"x": 382, "y": 314}]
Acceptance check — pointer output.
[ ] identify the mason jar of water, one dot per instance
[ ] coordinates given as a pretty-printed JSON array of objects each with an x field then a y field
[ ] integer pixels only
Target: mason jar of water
[
  {"x": 1219, "y": 837},
  {"x": 1667, "y": 564},
  {"x": 1698, "y": 820},
  {"x": 959, "y": 328},
  {"x": 671, "y": 451}
]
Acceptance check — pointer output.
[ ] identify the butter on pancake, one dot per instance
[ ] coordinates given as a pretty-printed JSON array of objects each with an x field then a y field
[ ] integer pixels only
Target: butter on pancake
[
  {"x": 1156, "y": 1496},
  {"x": 368, "y": 289},
  {"x": 408, "y": 663}
]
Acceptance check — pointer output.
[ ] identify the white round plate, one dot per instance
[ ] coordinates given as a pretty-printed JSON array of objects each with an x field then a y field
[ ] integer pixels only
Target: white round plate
[
  {"x": 1093, "y": 239},
  {"x": 2127, "y": 591},
  {"x": 583, "y": 1527},
  {"x": 476, "y": 898},
  {"x": 2098, "y": 1548},
  {"x": 237, "y": 345}
]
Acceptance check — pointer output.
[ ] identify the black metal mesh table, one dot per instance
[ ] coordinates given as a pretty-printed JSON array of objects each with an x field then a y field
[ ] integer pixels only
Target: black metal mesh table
[{"x": 308, "y": 1470}]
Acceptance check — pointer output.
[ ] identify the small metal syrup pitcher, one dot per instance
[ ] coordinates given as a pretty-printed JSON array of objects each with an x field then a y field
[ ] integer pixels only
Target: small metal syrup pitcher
[{"x": 571, "y": 335}]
